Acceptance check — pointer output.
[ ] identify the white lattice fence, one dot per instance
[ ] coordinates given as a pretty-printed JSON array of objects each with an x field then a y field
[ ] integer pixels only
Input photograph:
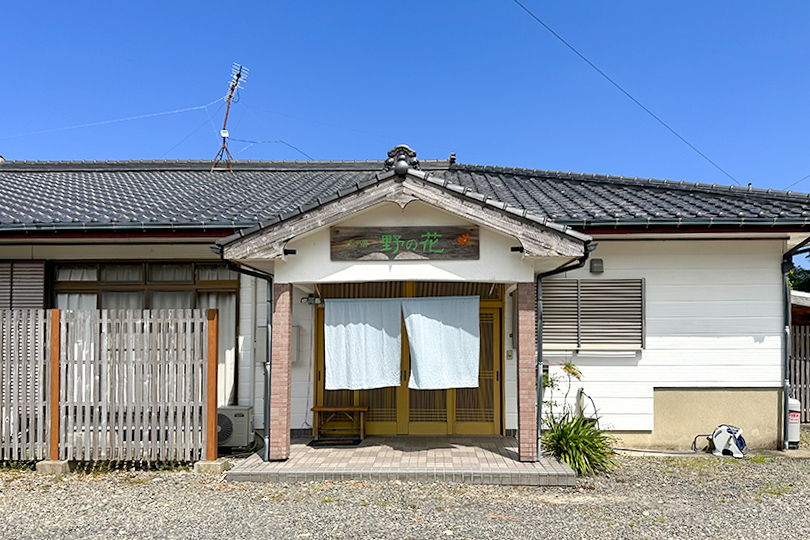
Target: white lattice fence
[
  {"x": 133, "y": 385},
  {"x": 23, "y": 384}
]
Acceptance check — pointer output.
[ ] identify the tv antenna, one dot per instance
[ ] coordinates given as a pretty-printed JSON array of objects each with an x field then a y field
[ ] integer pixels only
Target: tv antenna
[{"x": 238, "y": 75}]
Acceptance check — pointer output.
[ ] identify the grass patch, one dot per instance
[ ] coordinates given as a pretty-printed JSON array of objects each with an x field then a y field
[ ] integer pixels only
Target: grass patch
[
  {"x": 106, "y": 467},
  {"x": 18, "y": 465},
  {"x": 777, "y": 489},
  {"x": 698, "y": 465},
  {"x": 138, "y": 480},
  {"x": 759, "y": 458},
  {"x": 804, "y": 438}
]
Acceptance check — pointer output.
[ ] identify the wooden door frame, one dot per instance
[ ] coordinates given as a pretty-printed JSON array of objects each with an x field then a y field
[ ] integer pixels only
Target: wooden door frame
[{"x": 403, "y": 425}]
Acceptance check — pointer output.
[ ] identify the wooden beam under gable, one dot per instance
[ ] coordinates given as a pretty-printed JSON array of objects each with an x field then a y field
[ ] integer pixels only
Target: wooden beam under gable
[{"x": 536, "y": 239}]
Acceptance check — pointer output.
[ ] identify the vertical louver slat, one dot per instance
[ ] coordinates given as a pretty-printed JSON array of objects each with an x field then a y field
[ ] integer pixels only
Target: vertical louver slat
[
  {"x": 28, "y": 285},
  {"x": 593, "y": 312},
  {"x": 5, "y": 285},
  {"x": 561, "y": 312}
]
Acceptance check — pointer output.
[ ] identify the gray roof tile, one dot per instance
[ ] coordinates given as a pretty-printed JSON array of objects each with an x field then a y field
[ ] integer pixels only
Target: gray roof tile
[{"x": 176, "y": 194}]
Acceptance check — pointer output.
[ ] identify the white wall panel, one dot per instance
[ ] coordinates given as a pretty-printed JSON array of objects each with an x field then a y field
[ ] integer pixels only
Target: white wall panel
[
  {"x": 312, "y": 262},
  {"x": 713, "y": 319},
  {"x": 303, "y": 368}
]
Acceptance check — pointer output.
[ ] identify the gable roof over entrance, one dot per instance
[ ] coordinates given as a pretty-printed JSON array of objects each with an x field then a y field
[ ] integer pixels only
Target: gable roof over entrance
[{"x": 402, "y": 184}]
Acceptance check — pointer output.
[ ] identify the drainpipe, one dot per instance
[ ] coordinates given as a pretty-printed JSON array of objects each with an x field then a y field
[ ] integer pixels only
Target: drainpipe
[
  {"x": 538, "y": 365},
  {"x": 787, "y": 266},
  {"x": 268, "y": 353}
]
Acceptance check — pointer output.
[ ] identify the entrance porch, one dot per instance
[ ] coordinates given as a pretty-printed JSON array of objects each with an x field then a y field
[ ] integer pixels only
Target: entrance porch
[{"x": 469, "y": 460}]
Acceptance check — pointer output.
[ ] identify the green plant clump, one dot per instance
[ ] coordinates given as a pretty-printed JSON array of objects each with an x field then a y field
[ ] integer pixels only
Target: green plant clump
[{"x": 578, "y": 443}]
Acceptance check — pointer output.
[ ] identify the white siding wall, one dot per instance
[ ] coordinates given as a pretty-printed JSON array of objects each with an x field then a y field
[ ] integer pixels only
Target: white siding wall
[
  {"x": 509, "y": 364},
  {"x": 252, "y": 345},
  {"x": 713, "y": 319},
  {"x": 303, "y": 369}
]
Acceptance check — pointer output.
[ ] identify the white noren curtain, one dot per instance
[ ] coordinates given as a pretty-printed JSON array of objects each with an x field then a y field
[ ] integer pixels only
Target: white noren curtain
[
  {"x": 444, "y": 338},
  {"x": 363, "y": 343}
]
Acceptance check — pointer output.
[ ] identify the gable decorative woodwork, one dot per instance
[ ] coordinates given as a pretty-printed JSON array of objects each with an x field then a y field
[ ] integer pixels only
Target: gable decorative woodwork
[{"x": 537, "y": 240}]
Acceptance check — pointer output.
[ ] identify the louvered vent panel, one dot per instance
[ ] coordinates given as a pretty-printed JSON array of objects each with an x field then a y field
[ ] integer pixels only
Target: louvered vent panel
[
  {"x": 5, "y": 285},
  {"x": 560, "y": 312},
  {"x": 28, "y": 285},
  {"x": 611, "y": 312},
  {"x": 593, "y": 312}
]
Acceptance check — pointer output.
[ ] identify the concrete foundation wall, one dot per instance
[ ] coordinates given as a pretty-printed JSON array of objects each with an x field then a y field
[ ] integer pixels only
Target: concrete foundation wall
[{"x": 681, "y": 413}]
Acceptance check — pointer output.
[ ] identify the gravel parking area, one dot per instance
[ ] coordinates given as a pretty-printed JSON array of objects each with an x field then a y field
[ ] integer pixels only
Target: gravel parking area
[{"x": 647, "y": 497}]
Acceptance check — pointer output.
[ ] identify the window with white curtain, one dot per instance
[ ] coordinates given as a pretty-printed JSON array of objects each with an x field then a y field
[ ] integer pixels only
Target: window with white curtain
[
  {"x": 175, "y": 273},
  {"x": 150, "y": 285},
  {"x": 225, "y": 302},
  {"x": 158, "y": 285},
  {"x": 117, "y": 273}
]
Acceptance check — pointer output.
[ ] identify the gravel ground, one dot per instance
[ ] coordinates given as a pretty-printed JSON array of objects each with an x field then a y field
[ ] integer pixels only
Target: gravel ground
[{"x": 647, "y": 497}]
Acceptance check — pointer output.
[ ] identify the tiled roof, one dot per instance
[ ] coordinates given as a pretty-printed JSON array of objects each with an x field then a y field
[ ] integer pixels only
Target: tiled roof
[{"x": 184, "y": 194}]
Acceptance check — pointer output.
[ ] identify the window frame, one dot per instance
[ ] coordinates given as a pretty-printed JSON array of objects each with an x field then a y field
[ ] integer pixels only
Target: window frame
[{"x": 144, "y": 285}]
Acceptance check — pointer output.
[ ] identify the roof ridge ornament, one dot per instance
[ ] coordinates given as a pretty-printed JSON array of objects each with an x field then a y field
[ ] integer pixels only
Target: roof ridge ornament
[{"x": 401, "y": 158}]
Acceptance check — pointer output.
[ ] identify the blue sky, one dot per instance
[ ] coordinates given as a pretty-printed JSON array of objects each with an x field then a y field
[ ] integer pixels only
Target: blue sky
[{"x": 349, "y": 80}]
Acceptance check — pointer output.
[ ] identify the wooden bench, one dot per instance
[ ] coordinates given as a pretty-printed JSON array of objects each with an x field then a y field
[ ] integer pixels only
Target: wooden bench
[{"x": 322, "y": 415}]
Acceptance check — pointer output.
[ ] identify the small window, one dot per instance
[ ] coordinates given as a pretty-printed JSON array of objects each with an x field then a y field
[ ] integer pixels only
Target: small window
[
  {"x": 76, "y": 272},
  {"x": 76, "y": 300},
  {"x": 593, "y": 313},
  {"x": 172, "y": 300},
  {"x": 122, "y": 273},
  {"x": 170, "y": 273},
  {"x": 122, "y": 300},
  {"x": 215, "y": 272}
]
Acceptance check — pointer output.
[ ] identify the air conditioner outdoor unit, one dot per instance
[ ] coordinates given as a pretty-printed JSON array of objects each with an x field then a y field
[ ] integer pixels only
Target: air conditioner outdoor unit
[{"x": 234, "y": 426}]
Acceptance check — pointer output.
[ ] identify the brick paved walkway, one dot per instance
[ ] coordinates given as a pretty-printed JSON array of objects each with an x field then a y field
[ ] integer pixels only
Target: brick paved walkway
[{"x": 471, "y": 460}]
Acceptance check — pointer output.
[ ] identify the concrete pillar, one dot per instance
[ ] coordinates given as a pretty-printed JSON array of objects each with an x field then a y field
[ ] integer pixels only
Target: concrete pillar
[
  {"x": 527, "y": 398},
  {"x": 279, "y": 421}
]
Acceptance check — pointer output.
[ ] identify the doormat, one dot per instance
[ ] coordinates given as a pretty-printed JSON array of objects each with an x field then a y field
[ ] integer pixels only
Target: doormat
[{"x": 334, "y": 443}]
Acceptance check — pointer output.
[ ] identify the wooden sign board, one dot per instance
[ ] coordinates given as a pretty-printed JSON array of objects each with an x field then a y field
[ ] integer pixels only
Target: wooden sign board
[{"x": 404, "y": 243}]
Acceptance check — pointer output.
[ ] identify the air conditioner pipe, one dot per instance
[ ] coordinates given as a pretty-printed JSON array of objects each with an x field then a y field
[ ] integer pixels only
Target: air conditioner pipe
[
  {"x": 538, "y": 365},
  {"x": 268, "y": 353}
]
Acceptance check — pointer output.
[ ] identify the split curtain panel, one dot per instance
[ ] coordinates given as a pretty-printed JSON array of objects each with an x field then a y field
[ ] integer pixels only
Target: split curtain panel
[{"x": 363, "y": 339}]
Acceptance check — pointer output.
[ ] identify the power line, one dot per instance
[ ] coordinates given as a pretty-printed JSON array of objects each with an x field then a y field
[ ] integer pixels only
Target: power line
[
  {"x": 796, "y": 182},
  {"x": 625, "y": 92},
  {"x": 271, "y": 142},
  {"x": 139, "y": 117}
]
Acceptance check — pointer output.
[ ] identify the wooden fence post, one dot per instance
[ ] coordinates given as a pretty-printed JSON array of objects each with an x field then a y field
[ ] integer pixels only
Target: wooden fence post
[
  {"x": 54, "y": 394},
  {"x": 211, "y": 404}
]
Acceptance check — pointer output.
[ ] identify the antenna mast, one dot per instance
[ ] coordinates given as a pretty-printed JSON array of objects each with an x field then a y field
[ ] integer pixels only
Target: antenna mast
[{"x": 238, "y": 75}]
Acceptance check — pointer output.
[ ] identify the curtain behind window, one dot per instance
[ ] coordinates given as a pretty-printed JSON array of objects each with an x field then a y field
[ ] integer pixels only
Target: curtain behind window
[
  {"x": 172, "y": 300},
  {"x": 225, "y": 302},
  {"x": 170, "y": 272},
  {"x": 76, "y": 301},
  {"x": 122, "y": 300}
]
